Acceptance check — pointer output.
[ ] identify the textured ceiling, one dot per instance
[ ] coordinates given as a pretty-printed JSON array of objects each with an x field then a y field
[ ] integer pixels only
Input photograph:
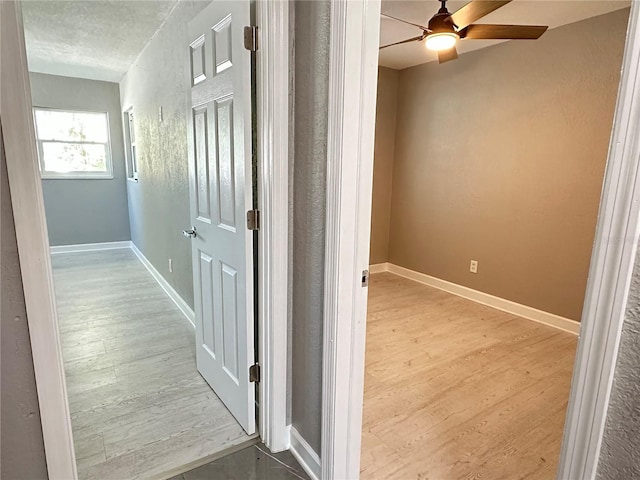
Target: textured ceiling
[
  {"x": 527, "y": 12},
  {"x": 89, "y": 39}
]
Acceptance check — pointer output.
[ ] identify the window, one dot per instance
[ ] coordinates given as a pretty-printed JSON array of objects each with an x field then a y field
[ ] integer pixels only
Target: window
[
  {"x": 73, "y": 144},
  {"x": 130, "y": 140}
]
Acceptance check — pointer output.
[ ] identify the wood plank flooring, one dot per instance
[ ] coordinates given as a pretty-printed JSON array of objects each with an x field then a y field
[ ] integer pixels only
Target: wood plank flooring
[
  {"x": 457, "y": 390},
  {"x": 139, "y": 408}
]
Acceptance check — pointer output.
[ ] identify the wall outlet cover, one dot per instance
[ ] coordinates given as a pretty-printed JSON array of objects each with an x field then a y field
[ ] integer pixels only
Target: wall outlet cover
[{"x": 473, "y": 267}]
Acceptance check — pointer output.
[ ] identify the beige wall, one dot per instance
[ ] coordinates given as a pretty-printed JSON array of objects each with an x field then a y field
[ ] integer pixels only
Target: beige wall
[
  {"x": 499, "y": 157},
  {"x": 383, "y": 163}
]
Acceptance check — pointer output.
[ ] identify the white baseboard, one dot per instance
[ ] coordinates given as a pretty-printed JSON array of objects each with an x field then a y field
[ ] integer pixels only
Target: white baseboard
[
  {"x": 89, "y": 247},
  {"x": 498, "y": 303},
  {"x": 172, "y": 294},
  {"x": 304, "y": 454}
]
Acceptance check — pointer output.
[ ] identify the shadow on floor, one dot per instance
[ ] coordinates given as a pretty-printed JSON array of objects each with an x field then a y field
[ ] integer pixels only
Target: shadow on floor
[{"x": 252, "y": 463}]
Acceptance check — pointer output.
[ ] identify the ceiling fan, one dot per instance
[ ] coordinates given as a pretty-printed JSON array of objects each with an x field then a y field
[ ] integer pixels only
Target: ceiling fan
[{"x": 445, "y": 29}]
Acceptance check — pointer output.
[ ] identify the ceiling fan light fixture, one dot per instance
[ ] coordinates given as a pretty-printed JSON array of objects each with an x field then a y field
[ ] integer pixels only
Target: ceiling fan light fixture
[{"x": 441, "y": 41}]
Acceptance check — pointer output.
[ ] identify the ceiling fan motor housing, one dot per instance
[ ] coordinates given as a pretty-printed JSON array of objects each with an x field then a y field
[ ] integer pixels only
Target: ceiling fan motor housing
[{"x": 440, "y": 23}]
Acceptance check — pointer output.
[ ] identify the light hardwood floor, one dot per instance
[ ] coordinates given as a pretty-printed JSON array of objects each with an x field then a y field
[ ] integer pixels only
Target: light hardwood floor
[
  {"x": 457, "y": 390},
  {"x": 138, "y": 406}
]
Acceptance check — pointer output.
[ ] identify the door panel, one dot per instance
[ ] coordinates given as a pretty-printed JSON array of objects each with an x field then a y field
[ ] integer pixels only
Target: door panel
[
  {"x": 202, "y": 163},
  {"x": 226, "y": 177},
  {"x": 221, "y": 193}
]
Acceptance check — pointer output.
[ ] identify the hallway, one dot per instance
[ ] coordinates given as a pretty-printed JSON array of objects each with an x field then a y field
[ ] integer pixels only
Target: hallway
[{"x": 139, "y": 408}]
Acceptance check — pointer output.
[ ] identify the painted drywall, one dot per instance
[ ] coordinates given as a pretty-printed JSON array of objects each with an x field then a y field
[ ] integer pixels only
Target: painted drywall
[
  {"x": 499, "y": 157},
  {"x": 620, "y": 446},
  {"x": 80, "y": 210},
  {"x": 21, "y": 444},
  {"x": 383, "y": 153},
  {"x": 292, "y": 31},
  {"x": 89, "y": 39},
  {"x": 159, "y": 203},
  {"x": 308, "y": 222}
]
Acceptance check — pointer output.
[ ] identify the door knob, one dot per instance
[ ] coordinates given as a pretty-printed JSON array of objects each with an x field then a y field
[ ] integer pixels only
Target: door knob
[{"x": 190, "y": 233}]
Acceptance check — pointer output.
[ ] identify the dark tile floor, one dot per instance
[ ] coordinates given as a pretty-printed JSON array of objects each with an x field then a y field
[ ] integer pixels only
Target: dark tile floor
[{"x": 252, "y": 463}]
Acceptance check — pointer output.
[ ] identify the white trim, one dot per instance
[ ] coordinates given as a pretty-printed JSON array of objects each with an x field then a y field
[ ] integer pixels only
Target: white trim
[
  {"x": 273, "y": 199},
  {"x": 131, "y": 163},
  {"x": 33, "y": 244},
  {"x": 171, "y": 293},
  {"x": 612, "y": 262},
  {"x": 379, "y": 267},
  {"x": 353, "y": 63},
  {"x": 89, "y": 247},
  {"x": 308, "y": 459},
  {"x": 524, "y": 311}
]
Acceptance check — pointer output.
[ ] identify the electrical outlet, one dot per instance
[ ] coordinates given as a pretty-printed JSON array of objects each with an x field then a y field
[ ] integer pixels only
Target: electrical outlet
[
  {"x": 170, "y": 265},
  {"x": 473, "y": 267}
]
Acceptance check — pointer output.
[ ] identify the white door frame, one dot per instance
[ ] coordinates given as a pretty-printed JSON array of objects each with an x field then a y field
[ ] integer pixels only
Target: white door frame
[
  {"x": 353, "y": 79},
  {"x": 33, "y": 243},
  {"x": 353, "y": 54},
  {"x": 272, "y": 59}
]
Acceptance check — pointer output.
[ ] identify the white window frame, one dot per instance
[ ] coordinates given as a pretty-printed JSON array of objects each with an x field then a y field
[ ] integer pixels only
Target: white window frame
[
  {"x": 130, "y": 145},
  {"x": 48, "y": 175}
]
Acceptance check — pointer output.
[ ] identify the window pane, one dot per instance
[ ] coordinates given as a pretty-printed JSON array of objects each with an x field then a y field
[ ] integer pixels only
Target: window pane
[
  {"x": 134, "y": 161},
  {"x": 74, "y": 157},
  {"x": 132, "y": 130},
  {"x": 72, "y": 126}
]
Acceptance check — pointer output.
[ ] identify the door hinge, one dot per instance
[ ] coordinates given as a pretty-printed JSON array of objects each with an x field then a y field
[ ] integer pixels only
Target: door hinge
[
  {"x": 253, "y": 220},
  {"x": 254, "y": 373},
  {"x": 251, "y": 38},
  {"x": 365, "y": 278}
]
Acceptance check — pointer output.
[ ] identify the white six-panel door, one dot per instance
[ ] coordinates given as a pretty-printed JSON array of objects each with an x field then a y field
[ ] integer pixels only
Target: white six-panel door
[{"x": 221, "y": 194}]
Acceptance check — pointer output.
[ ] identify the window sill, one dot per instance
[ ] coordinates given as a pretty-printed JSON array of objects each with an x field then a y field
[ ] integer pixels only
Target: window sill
[{"x": 77, "y": 177}]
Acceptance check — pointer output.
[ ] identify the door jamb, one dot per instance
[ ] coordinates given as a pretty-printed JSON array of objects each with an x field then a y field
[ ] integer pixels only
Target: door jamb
[
  {"x": 353, "y": 78},
  {"x": 272, "y": 18},
  {"x": 33, "y": 243},
  {"x": 353, "y": 62}
]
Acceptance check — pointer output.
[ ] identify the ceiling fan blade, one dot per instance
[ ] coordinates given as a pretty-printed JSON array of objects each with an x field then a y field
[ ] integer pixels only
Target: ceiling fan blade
[
  {"x": 474, "y": 11},
  {"x": 447, "y": 55},
  {"x": 503, "y": 32},
  {"x": 404, "y": 21},
  {"x": 413, "y": 39}
]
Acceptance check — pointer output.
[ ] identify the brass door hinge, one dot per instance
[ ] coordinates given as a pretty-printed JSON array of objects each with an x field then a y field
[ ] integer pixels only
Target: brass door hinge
[
  {"x": 254, "y": 373},
  {"x": 251, "y": 38},
  {"x": 253, "y": 220}
]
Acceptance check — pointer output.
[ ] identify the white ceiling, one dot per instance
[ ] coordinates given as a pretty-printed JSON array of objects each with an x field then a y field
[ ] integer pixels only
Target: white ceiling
[
  {"x": 92, "y": 39},
  {"x": 526, "y": 12}
]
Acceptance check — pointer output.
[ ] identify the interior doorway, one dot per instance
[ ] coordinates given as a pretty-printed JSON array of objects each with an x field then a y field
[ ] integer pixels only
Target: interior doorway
[{"x": 142, "y": 399}]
